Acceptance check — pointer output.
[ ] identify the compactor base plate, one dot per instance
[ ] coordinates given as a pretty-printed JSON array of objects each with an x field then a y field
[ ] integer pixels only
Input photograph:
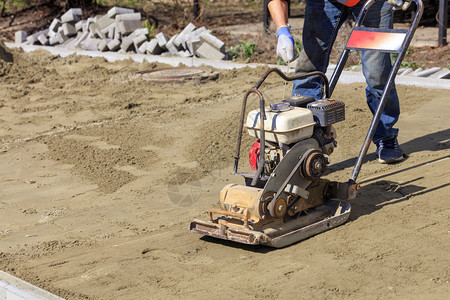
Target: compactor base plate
[{"x": 319, "y": 219}]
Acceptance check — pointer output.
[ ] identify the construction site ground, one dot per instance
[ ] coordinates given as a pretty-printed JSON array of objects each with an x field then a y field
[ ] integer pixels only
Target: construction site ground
[{"x": 101, "y": 173}]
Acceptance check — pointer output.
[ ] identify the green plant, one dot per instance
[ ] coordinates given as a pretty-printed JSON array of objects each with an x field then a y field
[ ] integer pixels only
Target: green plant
[
  {"x": 393, "y": 57},
  {"x": 407, "y": 64},
  {"x": 404, "y": 63},
  {"x": 149, "y": 27},
  {"x": 281, "y": 62},
  {"x": 234, "y": 52},
  {"x": 298, "y": 47},
  {"x": 248, "y": 49},
  {"x": 244, "y": 50}
]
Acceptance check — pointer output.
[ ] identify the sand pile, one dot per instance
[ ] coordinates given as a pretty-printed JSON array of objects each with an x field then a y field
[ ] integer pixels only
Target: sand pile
[
  {"x": 5, "y": 55},
  {"x": 6, "y": 58}
]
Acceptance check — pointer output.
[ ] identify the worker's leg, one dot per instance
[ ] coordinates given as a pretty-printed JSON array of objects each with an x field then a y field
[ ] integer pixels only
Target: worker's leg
[
  {"x": 376, "y": 68},
  {"x": 323, "y": 19}
]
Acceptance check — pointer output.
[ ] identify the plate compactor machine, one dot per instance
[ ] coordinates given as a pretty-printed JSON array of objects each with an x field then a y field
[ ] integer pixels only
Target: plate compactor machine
[{"x": 285, "y": 200}]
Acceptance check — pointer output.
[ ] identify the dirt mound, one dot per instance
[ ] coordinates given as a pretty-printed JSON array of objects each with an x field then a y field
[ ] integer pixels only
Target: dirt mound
[
  {"x": 100, "y": 160},
  {"x": 5, "y": 55},
  {"x": 6, "y": 59}
]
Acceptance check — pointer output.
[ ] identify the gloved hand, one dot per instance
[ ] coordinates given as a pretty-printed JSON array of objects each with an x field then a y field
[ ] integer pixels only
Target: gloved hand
[
  {"x": 403, "y": 4},
  {"x": 285, "y": 46}
]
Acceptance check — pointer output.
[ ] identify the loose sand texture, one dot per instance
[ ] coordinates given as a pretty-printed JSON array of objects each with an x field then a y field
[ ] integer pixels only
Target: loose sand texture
[{"x": 101, "y": 174}]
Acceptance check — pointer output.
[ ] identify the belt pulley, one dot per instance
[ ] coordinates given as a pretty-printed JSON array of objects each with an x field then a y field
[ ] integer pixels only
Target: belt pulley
[{"x": 314, "y": 165}]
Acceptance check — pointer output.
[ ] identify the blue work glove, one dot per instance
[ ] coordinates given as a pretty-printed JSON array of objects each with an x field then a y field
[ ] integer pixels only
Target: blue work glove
[
  {"x": 403, "y": 4},
  {"x": 285, "y": 46}
]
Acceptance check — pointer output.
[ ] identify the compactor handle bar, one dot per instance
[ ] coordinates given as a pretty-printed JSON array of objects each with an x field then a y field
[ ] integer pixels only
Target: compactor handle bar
[{"x": 387, "y": 89}]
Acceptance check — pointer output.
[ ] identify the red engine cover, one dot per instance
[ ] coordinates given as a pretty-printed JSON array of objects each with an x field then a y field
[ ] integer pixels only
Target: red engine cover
[{"x": 253, "y": 155}]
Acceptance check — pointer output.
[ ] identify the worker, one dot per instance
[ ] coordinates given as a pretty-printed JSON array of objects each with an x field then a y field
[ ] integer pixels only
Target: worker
[{"x": 323, "y": 18}]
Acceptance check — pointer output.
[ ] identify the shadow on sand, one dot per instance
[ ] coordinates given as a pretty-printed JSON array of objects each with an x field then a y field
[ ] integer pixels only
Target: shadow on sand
[{"x": 435, "y": 141}]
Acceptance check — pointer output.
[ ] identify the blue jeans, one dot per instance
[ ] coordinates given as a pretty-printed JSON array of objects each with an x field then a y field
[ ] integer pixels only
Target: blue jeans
[{"x": 323, "y": 18}]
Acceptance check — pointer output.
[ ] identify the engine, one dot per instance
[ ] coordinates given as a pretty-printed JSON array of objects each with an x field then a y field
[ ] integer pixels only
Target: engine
[{"x": 293, "y": 120}]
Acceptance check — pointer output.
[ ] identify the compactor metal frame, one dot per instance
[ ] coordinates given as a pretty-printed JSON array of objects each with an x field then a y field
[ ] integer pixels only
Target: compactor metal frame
[{"x": 333, "y": 212}]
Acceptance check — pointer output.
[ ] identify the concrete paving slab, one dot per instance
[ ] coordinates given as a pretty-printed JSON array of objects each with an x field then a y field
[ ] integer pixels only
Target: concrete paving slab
[
  {"x": 162, "y": 40},
  {"x": 173, "y": 49},
  {"x": 139, "y": 40},
  {"x": 132, "y": 16},
  {"x": 42, "y": 38},
  {"x": 442, "y": 74},
  {"x": 90, "y": 24},
  {"x": 186, "y": 31},
  {"x": 103, "y": 46},
  {"x": 117, "y": 33},
  {"x": 54, "y": 39},
  {"x": 153, "y": 47},
  {"x": 31, "y": 39},
  {"x": 51, "y": 34},
  {"x": 193, "y": 44},
  {"x": 104, "y": 21},
  {"x": 99, "y": 33},
  {"x": 56, "y": 23},
  {"x": 80, "y": 25},
  {"x": 428, "y": 72},
  {"x": 196, "y": 33},
  {"x": 142, "y": 49},
  {"x": 128, "y": 26},
  {"x": 13, "y": 288},
  {"x": 207, "y": 37},
  {"x": 90, "y": 44},
  {"x": 206, "y": 50},
  {"x": 112, "y": 31},
  {"x": 119, "y": 10},
  {"x": 72, "y": 15},
  {"x": 416, "y": 71},
  {"x": 84, "y": 36},
  {"x": 184, "y": 53},
  {"x": 105, "y": 31},
  {"x": 61, "y": 35},
  {"x": 20, "y": 36},
  {"x": 114, "y": 45},
  {"x": 93, "y": 28},
  {"x": 141, "y": 30},
  {"x": 70, "y": 43},
  {"x": 406, "y": 71},
  {"x": 69, "y": 29}
]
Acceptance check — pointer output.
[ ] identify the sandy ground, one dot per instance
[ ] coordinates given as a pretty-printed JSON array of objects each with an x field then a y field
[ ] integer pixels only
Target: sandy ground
[{"x": 100, "y": 176}]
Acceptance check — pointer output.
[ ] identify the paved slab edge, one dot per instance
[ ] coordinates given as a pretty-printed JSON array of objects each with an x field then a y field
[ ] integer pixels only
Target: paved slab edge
[
  {"x": 14, "y": 288},
  {"x": 346, "y": 76}
]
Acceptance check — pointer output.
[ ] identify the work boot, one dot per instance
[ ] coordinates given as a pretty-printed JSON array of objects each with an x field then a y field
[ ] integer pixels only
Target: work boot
[{"x": 389, "y": 151}]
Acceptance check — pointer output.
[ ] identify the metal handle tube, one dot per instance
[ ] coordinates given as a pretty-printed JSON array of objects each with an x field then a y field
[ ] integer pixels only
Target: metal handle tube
[
  {"x": 387, "y": 90},
  {"x": 241, "y": 126},
  {"x": 295, "y": 77},
  {"x": 262, "y": 139},
  {"x": 337, "y": 72}
]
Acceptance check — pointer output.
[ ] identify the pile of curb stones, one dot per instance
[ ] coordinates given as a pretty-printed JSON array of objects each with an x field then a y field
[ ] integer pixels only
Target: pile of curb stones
[{"x": 120, "y": 30}]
